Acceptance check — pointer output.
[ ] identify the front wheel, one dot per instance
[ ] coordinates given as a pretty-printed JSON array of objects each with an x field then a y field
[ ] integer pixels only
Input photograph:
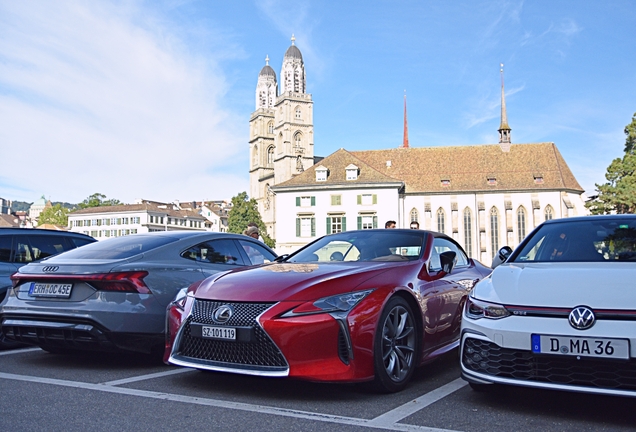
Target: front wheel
[{"x": 396, "y": 344}]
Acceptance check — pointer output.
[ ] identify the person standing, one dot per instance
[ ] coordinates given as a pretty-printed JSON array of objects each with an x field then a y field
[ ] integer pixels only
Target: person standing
[{"x": 415, "y": 225}]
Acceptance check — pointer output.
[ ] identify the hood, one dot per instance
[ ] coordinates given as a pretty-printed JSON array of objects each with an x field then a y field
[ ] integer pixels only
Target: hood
[
  {"x": 601, "y": 285},
  {"x": 288, "y": 281}
]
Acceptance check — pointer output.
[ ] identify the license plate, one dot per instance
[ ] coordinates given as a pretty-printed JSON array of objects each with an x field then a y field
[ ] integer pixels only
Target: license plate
[
  {"x": 581, "y": 346},
  {"x": 54, "y": 290},
  {"x": 224, "y": 333}
]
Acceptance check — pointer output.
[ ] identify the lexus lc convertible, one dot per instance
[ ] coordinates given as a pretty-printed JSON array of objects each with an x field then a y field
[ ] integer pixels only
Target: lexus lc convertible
[
  {"x": 353, "y": 306},
  {"x": 560, "y": 312}
]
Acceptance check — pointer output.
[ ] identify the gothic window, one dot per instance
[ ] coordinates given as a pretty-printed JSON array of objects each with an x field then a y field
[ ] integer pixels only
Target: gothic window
[
  {"x": 255, "y": 156},
  {"x": 298, "y": 113},
  {"x": 297, "y": 80},
  {"x": 441, "y": 220},
  {"x": 270, "y": 156},
  {"x": 468, "y": 234},
  {"x": 549, "y": 213},
  {"x": 414, "y": 215},
  {"x": 298, "y": 138},
  {"x": 494, "y": 229},
  {"x": 270, "y": 127},
  {"x": 521, "y": 223}
]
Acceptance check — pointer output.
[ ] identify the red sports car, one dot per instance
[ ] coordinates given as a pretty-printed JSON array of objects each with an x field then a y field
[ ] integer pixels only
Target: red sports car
[{"x": 353, "y": 306}]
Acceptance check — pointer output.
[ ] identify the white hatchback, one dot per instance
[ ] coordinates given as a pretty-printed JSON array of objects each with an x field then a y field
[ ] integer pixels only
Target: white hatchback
[{"x": 559, "y": 312}]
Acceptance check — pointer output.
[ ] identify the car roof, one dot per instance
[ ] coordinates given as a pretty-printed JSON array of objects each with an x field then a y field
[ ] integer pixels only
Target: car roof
[
  {"x": 10, "y": 230},
  {"x": 591, "y": 217}
]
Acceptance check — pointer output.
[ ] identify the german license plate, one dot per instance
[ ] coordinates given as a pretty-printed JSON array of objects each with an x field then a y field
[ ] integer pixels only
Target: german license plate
[
  {"x": 54, "y": 290},
  {"x": 224, "y": 333},
  {"x": 581, "y": 346}
]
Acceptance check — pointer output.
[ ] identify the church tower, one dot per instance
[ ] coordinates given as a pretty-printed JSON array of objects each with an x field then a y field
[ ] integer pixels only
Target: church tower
[
  {"x": 504, "y": 129},
  {"x": 281, "y": 131}
]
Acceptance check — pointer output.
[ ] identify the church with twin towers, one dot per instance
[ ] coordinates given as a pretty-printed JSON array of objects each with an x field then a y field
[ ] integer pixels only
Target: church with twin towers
[{"x": 484, "y": 196}]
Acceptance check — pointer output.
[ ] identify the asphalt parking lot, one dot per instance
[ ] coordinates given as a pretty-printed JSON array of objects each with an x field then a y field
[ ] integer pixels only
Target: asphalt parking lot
[{"x": 41, "y": 391}]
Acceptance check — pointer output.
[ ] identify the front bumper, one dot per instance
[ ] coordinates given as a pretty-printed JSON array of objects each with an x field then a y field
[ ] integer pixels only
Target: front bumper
[{"x": 500, "y": 352}]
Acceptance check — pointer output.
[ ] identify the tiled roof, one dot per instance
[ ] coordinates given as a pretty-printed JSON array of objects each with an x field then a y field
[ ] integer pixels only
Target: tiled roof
[
  {"x": 7, "y": 220},
  {"x": 166, "y": 209},
  {"x": 337, "y": 163},
  {"x": 453, "y": 169}
]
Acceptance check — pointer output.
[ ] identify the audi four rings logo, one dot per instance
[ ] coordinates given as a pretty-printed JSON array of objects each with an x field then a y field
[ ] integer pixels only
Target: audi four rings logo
[
  {"x": 50, "y": 269},
  {"x": 582, "y": 318},
  {"x": 222, "y": 314}
]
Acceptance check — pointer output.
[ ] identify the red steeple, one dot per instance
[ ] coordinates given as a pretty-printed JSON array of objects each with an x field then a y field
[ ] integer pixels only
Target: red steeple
[{"x": 405, "y": 142}]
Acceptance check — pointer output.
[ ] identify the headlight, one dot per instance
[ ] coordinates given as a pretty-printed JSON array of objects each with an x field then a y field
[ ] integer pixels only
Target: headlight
[
  {"x": 180, "y": 298},
  {"x": 337, "y": 303},
  {"x": 476, "y": 309}
]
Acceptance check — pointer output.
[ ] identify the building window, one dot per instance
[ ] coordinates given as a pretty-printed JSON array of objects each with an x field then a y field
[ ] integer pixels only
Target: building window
[
  {"x": 305, "y": 201},
  {"x": 445, "y": 183},
  {"x": 113, "y": 221},
  {"x": 549, "y": 213},
  {"x": 255, "y": 156},
  {"x": 538, "y": 180},
  {"x": 305, "y": 226},
  {"x": 352, "y": 172},
  {"x": 367, "y": 199},
  {"x": 494, "y": 230},
  {"x": 336, "y": 224},
  {"x": 270, "y": 127},
  {"x": 415, "y": 216},
  {"x": 270, "y": 156},
  {"x": 468, "y": 234},
  {"x": 492, "y": 181},
  {"x": 367, "y": 221},
  {"x": 321, "y": 174},
  {"x": 298, "y": 113},
  {"x": 441, "y": 220},
  {"x": 298, "y": 140},
  {"x": 336, "y": 200},
  {"x": 124, "y": 221},
  {"x": 521, "y": 223}
]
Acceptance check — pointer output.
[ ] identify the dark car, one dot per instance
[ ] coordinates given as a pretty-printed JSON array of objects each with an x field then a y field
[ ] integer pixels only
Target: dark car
[
  {"x": 353, "y": 306},
  {"x": 113, "y": 294},
  {"x": 20, "y": 246}
]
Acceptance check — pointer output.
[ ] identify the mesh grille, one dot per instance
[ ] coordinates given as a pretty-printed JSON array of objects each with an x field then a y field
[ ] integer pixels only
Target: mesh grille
[
  {"x": 489, "y": 358},
  {"x": 343, "y": 349},
  {"x": 261, "y": 352}
]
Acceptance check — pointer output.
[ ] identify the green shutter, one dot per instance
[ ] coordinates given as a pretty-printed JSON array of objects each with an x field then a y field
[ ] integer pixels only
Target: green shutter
[
  {"x": 375, "y": 220},
  {"x": 375, "y": 199},
  {"x": 297, "y": 201},
  {"x": 359, "y": 221},
  {"x": 313, "y": 227},
  {"x": 313, "y": 200},
  {"x": 328, "y": 225},
  {"x": 297, "y": 227},
  {"x": 359, "y": 200},
  {"x": 344, "y": 223}
]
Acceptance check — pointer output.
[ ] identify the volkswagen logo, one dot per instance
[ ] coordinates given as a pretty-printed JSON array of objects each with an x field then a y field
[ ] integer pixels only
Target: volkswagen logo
[
  {"x": 582, "y": 318},
  {"x": 222, "y": 314},
  {"x": 50, "y": 269}
]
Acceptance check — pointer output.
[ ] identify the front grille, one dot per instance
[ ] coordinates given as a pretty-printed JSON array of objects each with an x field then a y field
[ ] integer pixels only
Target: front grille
[
  {"x": 489, "y": 358},
  {"x": 261, "y": 352}
]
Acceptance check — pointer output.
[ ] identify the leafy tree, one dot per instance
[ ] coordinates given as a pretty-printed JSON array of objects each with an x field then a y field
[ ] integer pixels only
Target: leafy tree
[
  {"x": 98, "y": 200},
  {"x": 245, "y": 210},
  {"x": 619, "y": 193},
  {"x": 56, "y": 215}
]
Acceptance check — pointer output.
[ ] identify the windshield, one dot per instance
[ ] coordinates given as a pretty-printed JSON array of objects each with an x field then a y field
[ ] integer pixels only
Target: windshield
[
  {"x": 582, "y": 241},
  {"x": 117, "y": 248},
  {"x": 385, "y": 245}
]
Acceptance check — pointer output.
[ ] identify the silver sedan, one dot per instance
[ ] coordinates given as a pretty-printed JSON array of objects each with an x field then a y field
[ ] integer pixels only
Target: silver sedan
[{"x": 113, "y": 294}]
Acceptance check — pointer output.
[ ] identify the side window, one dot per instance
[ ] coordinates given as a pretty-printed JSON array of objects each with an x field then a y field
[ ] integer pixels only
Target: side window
[
  {"x": 441, "y": 245},
  {"x": 256, "y": 253},
  {"x": 215, "y": 252},
  {"x": 5, "y": 248},
  {"x": 37, "y": 247},
  {"x": 80, "y": 241}
]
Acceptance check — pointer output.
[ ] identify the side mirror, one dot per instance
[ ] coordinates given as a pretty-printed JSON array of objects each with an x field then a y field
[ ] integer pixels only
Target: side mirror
[
  {"x": 501, "y": 256},
  {"x": 447, "y": 259}
]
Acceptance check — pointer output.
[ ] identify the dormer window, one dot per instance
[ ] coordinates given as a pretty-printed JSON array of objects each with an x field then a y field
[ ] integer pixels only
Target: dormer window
[
  {"x": 352, "y": 172},
  {"x": 321, "y": 174},
  {"x": 492, "y": 181},
  {"x": 538, "y": 179},
  {"x": 445, "y": 182}
]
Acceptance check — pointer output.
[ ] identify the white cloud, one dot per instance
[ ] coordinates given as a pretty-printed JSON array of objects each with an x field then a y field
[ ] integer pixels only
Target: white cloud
[{"x": 97, "y": 97}]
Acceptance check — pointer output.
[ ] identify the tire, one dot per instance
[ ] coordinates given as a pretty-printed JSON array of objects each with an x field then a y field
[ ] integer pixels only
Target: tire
[{"x": 396, "y": 346}]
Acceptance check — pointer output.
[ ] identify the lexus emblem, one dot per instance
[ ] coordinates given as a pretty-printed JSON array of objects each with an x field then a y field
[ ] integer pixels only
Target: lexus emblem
[
  {"x": 222, "y": 314},
  {"x": 50, "y": 269},
  {"x": 582, "y": 318}
]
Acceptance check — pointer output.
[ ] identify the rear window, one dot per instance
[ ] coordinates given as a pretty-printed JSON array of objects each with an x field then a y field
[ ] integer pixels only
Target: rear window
[{"x": 119, "y": 248}]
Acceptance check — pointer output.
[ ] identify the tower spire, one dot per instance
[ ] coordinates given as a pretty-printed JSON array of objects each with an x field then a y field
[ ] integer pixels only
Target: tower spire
[
  {"x": 504, "y": 129},
  {"x": 405, "y": 141}
]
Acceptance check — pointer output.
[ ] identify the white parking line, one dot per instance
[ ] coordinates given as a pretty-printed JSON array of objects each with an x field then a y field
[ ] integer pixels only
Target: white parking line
[
  {"x": 19, "y": 351},
  {"x": 148, "y": 376},
  {"x": 384, "y": 423},
  {"x": 397, "y": 414}
]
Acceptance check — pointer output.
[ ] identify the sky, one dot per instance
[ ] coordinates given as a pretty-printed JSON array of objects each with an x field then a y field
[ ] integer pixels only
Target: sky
[{"x": 152, "y": 99}]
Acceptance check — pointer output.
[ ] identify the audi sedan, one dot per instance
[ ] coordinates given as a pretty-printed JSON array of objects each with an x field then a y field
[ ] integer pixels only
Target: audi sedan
[
  {"x": 113, "y": 294},
  {"x": 559, "y": 312},
  {"x": 354, "y": 306}
]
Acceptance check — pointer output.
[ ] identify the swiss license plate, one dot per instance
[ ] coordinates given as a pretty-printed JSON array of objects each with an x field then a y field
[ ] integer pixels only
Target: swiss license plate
[
  {"x": 581, "y": 346},
  {"x": 55, "y": 290},
  {"x": 224, "y": 333}
]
